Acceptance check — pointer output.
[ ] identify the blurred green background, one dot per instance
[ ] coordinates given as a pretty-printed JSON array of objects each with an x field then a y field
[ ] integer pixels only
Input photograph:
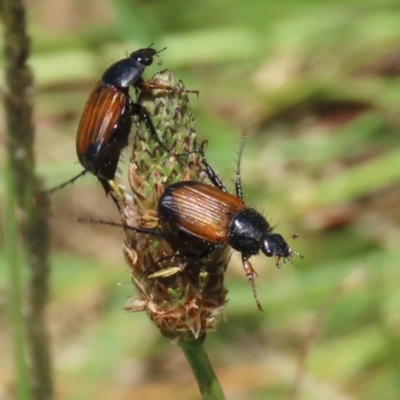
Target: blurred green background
[{"x": 316, "y": 87}]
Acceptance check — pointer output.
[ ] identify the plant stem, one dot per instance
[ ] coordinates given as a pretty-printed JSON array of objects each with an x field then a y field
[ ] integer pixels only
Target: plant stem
[
  {"x": 13, "y": 263},
  {"x": 23, "y": 184},
  {"x": 197, "y": 357}
]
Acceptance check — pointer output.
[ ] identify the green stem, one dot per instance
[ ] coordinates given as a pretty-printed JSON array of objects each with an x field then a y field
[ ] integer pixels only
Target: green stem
[
  {"x": 14, "y": 266},
  {"x": 197, "y": 357},
  {"x": 22, "y": 185}
]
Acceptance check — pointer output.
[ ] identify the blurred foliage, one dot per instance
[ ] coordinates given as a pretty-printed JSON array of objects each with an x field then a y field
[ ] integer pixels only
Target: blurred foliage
[{"x": 316, "y": 87}]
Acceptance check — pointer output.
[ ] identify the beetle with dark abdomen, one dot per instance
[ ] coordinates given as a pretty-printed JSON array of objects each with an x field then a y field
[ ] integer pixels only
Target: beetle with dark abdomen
[
  {"x": 200, "y": 217},
  {"x": 211, "y": 214},
  {"x": 107, "y": 118}
]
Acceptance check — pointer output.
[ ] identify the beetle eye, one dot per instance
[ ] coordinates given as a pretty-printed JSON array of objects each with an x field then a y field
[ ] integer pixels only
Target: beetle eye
[{"x": 146, "y": 61}]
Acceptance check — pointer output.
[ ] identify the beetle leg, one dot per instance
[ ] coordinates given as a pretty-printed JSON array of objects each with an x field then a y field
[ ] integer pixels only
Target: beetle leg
[
  {"x": 177, "y": 254},
  {"x": 55, "y": 188},
  {"x": 146, "y": 231},
  {"x": 212, "y": 175},
  {"x": 116, "y": 189},
  {"x": 169, "y": 271},
  {"x": 111, "y": 187},
  {"x": 248, "y": 269},
  {"x": 148, "y": 86},
  {"x": 144, "y": 117}
]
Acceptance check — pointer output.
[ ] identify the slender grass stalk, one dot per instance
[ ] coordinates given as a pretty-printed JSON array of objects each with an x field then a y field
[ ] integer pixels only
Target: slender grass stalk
[
  {"x": 14, "y": 266},
  {"x": 202, "y": 369},
  {"x": 22, "y": 186}
]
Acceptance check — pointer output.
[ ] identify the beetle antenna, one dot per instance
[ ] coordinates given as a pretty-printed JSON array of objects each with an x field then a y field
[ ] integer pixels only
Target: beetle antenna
[
  {"x": 238, "y": 181},
  {"x": 159, "y": 51},
  {"x": 292, "y": 252}
]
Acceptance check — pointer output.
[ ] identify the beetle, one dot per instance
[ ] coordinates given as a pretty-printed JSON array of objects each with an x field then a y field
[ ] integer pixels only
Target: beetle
[
  {"x": 106, "y": 121},
  {"x": 196, "y": 218},
  {"x": 191, "y": 209}
]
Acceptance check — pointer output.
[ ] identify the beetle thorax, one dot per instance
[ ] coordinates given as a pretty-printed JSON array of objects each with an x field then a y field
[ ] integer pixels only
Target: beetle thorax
[
  {"x": 247, "y": 230},
  {"x": 123, "y": 73}
]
